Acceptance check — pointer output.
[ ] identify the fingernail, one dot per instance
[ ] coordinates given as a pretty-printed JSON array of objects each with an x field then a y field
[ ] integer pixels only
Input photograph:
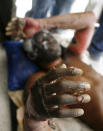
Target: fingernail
[
  {"x": 84, "y": 98},
  {"x": 85, "y": 86},
  {"x": 63, "y": 66},
  {"x": 76, "y": 70},
  {"x": 80, "y": 112},
  {"x": 79, "y": 98}
]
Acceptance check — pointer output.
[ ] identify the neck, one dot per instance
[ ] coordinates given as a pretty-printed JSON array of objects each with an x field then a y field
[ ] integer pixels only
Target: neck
[{"x": 53, "y": 64}]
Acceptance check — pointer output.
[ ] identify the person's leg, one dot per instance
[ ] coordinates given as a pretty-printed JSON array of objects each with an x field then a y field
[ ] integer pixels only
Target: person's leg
[
  {"x": 62, "y": 6},
  {"x": 96, "y": 47},
  {"x": 6, "y": 7},
  {"x": 39, "y": 8},
  {"x": 5, "y": 119}
]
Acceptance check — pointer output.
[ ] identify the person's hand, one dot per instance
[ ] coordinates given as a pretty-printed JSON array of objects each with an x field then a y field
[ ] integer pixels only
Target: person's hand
[
  {"x": 51, "y": 92},
  {"x": 21, "y": 28},
  {"x": 31, "y": 26},
  {"x": 15, "y": 29}
]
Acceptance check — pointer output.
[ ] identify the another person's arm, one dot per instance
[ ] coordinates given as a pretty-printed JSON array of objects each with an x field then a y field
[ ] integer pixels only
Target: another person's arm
[
  {"x": 83, "y": 23},
  {"x": 75, "y": 21}
]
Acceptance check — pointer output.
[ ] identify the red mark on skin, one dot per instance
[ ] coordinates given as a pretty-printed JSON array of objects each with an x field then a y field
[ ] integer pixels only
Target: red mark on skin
[
  {"x": 83, "y": 38},
  {"x": 64, "y": 107},
  {"x": 31, "y": 26}
]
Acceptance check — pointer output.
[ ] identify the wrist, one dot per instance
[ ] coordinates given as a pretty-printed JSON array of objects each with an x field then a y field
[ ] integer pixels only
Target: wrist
[
  {"x": 43, "y": 24},
  {"x": 47, "y": 23}
]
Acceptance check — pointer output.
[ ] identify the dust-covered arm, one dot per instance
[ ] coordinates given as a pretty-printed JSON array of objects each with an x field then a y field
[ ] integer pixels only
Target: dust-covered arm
[{"x": 48, "y": 95}]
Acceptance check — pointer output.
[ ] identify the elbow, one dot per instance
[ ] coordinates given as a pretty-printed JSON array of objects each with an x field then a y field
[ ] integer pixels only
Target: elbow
[{"x": 92, "y": 20}]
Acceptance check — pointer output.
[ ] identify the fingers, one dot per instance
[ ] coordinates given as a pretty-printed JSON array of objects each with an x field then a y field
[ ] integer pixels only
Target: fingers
[
  {"x": 66, "y": 86},
  {"x": 85, "y": 98},
  {"x": 64, "y": 113},
  {"x": 62, "y": 100},
  {"x": 10, "y": 28},
  {"x": 15, "y": 22},
  {"x": 67, "y": 99},
  {"x": 15, "y": 28},
  {"x": 61, "y": 72}
]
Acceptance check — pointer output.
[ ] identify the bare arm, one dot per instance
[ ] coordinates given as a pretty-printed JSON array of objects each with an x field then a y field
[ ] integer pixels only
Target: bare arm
[
  {"x": 75, "y": 21},
  {"x": 83, "y": 23},
  {"x": 83, "y": 39}
]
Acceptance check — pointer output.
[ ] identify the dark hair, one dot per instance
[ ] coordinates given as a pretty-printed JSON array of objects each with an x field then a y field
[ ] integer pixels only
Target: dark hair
[{"x": 44, "y": 48}]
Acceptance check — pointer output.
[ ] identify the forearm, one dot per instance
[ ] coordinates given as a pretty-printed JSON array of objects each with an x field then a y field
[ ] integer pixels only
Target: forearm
[
  {"x": 83, "y": 39},
  {"x": 75, "y": 21}
]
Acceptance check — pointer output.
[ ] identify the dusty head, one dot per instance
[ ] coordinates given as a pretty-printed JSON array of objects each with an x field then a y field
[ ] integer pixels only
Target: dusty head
[{"x": 43, "y": 48}]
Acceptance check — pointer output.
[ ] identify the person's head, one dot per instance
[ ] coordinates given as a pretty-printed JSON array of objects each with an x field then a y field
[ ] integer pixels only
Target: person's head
[{"x": 44, "y": 48}]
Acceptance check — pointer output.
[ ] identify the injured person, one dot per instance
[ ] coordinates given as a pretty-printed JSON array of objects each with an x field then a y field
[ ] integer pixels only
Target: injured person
[{"x": 51, "y": 94}]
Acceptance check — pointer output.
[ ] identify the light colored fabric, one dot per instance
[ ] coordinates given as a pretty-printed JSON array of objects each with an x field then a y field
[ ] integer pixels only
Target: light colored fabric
[
  {"x": 5, "y": 120},
  {"x": 17, "y": 98},
  {"x": 69, "y": 124},
  {"x": 96, "y": 6}
]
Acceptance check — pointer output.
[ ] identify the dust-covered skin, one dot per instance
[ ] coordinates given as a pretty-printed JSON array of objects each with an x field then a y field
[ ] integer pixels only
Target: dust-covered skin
[
  {"x": 45, "y": 86},
  {"x": 48, "y": 95},
  {"x": 15, "y": 29}
]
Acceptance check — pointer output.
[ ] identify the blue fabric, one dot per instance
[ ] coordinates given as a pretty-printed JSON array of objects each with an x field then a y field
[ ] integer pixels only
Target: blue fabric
[
  {"x": 40, "y": 8},
  {"x": 61, "y": 7},
  {"x": 19, "y": 66},
  {"x": 96, "y": 46}
]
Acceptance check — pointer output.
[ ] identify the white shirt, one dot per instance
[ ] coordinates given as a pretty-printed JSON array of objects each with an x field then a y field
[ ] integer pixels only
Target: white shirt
[{"x": 96, "y": 6}]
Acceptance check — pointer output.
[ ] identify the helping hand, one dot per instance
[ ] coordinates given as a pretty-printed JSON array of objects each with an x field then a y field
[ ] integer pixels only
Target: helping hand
[{"x": 21, "y": 28}]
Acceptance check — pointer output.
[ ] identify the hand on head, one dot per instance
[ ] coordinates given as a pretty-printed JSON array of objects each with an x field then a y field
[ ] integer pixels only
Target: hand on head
[{"x": 21, "y": 28}]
